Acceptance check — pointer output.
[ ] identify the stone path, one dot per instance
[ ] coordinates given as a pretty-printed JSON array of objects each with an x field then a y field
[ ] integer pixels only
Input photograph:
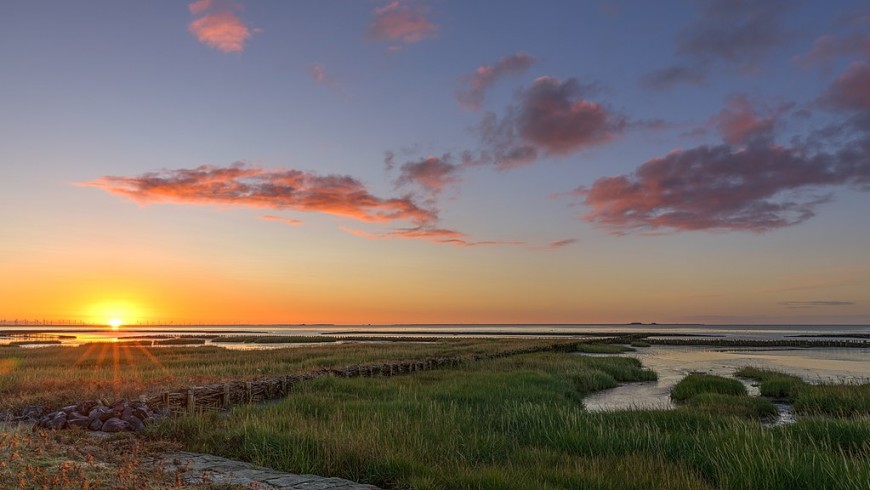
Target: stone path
[{"x": 194, "y": 469}]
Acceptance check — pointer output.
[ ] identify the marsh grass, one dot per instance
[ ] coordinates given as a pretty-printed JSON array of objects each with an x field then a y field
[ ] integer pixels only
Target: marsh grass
[
  {"x": 698, "y": 383},
  {"x": 738, "y": 406},
  {"x": 639, "y": 343},
  {"x": 842, "y": 400},
  {"x": 57, "y": 376},
  {"x": 600, "y": 348},
  {"x": 516, "y": 423}
]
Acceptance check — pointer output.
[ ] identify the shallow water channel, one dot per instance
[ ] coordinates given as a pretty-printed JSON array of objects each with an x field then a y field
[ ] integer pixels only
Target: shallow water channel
[{"x": 673, "y": 363}]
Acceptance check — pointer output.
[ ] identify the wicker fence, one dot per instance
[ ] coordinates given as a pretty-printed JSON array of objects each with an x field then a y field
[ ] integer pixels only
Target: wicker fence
[{"x": 215, "y": 397}]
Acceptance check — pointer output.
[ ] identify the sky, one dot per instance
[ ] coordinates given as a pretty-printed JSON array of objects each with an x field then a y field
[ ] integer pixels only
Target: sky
[{"x": 435, "y": 161}]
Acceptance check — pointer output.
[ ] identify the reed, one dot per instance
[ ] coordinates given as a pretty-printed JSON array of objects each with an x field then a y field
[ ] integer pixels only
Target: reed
[{"x": 516, "y": 423}]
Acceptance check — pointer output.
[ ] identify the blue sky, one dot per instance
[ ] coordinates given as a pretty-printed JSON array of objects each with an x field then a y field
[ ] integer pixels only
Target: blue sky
[{"x": 730, "y": 131}]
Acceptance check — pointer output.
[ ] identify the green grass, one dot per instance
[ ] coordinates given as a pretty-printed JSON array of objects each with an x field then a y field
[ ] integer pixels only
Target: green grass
[
  {"x": 640, "y": 343},
  {"x": 599, "y": 348},
  {"x": 699, "y": 383},
  {"x": 739, "y": 406},
  {"x": 515, "y": 423},
  {"x": 55, "y": 376},
  {"x": 843, "y": 400}
]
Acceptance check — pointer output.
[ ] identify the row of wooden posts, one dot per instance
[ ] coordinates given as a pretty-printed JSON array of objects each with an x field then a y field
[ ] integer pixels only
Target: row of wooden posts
[{"x": 221, "y": 396}]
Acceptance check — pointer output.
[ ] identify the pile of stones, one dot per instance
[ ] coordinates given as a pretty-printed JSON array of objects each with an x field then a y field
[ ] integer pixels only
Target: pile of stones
[{"x": 97, "y": 415}]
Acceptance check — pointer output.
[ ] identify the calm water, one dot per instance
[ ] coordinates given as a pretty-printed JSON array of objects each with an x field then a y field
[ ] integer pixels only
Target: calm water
[
  {"x": 87, "y": 334},
  {"x": 672, "y": 363}
]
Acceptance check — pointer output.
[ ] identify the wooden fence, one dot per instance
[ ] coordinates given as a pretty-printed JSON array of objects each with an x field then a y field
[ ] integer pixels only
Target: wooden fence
[{"x": 215, "y": 397}]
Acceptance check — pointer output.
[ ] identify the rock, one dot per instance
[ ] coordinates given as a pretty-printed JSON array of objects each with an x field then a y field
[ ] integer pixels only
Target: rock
[
  {"x": 100, "y": 412},
  {"x": 85, "y": 408},
  {"x": 58, "y": 421},
  {"x": 136, "y": 424},
  {"x": 69, "y": 409},
  {"x": 115, "y": 425},
  {"x": 76, "y": 419},
  {"x": 95, "y": 424},
  {"x": 32, "y": 412}
]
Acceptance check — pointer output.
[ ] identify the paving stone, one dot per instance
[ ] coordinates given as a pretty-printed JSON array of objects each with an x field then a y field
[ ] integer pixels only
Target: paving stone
[{"x": 196, "y": 469}]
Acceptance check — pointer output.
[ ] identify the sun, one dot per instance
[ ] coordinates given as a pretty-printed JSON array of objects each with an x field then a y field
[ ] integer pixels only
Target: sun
[{"x": 115, "y": 323}]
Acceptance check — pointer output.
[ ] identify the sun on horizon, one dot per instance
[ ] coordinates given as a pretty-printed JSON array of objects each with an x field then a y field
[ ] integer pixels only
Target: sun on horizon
[{"x": 115, "y": 323}]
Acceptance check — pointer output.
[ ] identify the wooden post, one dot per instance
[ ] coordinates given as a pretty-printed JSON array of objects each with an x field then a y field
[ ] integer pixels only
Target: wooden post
[
  {"x": 191, "y": 402},
  {"x": 249, "y": 391},
  {"x": 225, "y": 400},
  {"x": 165, "y": 399}
]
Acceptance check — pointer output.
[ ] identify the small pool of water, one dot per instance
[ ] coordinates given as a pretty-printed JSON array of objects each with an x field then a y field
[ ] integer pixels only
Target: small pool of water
[{"x": 673, "y": 363}]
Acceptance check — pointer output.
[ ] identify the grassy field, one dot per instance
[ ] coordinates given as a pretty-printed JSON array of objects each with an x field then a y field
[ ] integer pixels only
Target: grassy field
[
  {"x": 519, "y": 422},
  {"x": 57, "y": 376}
]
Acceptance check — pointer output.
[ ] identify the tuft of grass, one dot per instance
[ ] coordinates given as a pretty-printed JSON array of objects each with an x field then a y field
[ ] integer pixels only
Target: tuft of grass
[
  {"x": 840, "y": 400},
  {"x": 640, "y": 343},
  {"x": 739, "y": 406},
  {"x": 699, "y": 383}
]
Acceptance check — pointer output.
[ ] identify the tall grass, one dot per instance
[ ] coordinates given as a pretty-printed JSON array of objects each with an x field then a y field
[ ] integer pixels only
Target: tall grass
[
  {"x": 516, "y": 423},
  {"x": 700, "y": 383},
  {"x": 809, "y": 399},
  {"x": 57, "y": 376}
]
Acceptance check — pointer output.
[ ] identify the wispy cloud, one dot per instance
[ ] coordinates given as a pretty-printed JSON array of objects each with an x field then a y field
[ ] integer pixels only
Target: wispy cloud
[
  {"x": 402, "y": 22},
  {"x": 435, "y": 235},
  {"x": 247, "y": 186},
  {"x": 814, "y": 304},
  {"x": 473, "y": 87},
  {"x": 739, "y": 33},
  {"x": 217, "y": 25},
  {"x": 281, "y": 219},
  {"x": 561, "y": 243},
  {"x": 322, "y": 77}
]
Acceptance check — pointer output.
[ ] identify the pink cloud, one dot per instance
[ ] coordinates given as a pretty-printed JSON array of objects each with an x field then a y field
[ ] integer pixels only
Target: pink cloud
[
  {"x": 403, "y": 22},
  {"x": 218, "y": 26},
  {"x": 281, "y": 219},
  {"x": 321, "y": 77},
  {"x": 742, "y": 122},
  {"x": 759, "y": 188},
  {"x": 435, "y": 235},
  {"x": 200, "y": 6},
  {"x": 828, "y": 48},
  {"x": 561, "y": 243},
  {"x": 246, "y": 186},
  {"x": 474, "y": 86},
  {"x": 850, "y": 91},
  {"x": 552, "y": 118},
  {"x": 432, "y": 174}
]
